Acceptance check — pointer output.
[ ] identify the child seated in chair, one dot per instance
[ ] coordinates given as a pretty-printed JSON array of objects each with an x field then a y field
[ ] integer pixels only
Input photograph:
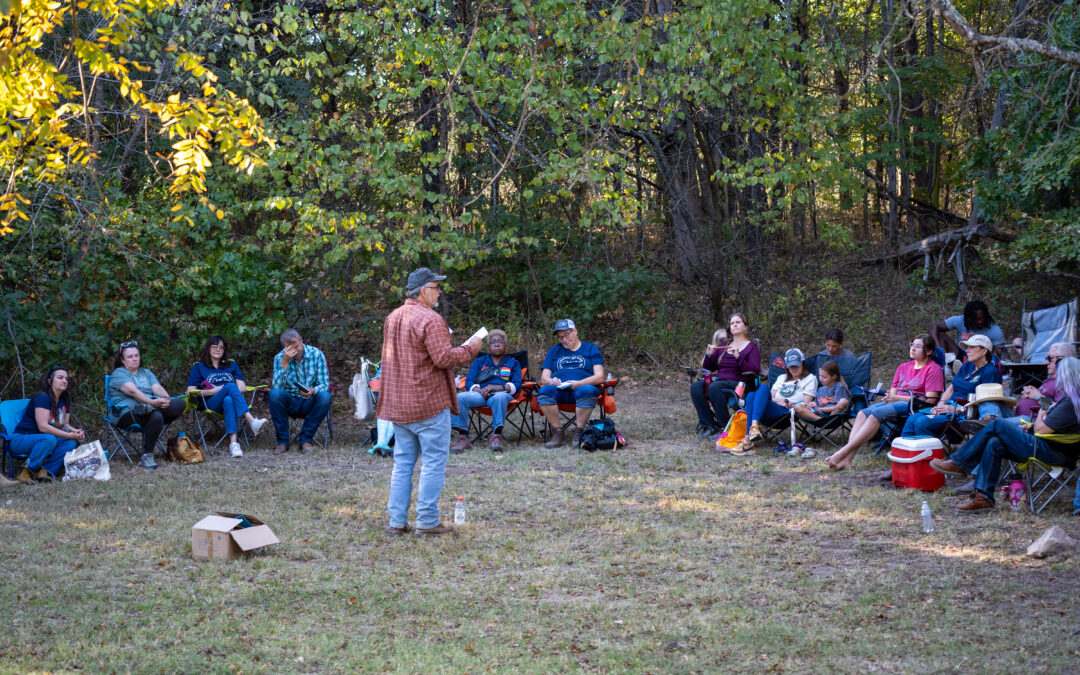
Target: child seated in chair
[{"x": 832, "y": 396}]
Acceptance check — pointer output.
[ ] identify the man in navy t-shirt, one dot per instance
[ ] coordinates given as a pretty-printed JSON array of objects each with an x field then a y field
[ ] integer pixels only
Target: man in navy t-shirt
[{"x": 573, "y": 372}]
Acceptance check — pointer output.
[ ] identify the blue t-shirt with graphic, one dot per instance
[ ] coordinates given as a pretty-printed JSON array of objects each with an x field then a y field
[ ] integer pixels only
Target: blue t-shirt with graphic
[
  {"x": 200, "y": 372},
  {"x": 828, "y": 396},
  {"x": 969, "y": 377},
  {"x": 573, "y": 365},
  {"x": 28, "y": 423}
]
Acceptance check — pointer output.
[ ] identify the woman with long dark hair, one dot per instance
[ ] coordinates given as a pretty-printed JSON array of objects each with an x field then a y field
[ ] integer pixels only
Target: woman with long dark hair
[
  {"x": 136, "y": 397},
  {"x": 219, "y": 381},
  {"x": 44, "y": 434}
]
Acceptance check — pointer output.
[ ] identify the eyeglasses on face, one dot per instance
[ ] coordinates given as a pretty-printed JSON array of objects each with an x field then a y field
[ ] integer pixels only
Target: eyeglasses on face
[
  {"x": 497, "y": 340},
  {"x": 916, "y": 345},
  {"x": 1052, "y": 359},
  {"x": 125, "y": 345}
]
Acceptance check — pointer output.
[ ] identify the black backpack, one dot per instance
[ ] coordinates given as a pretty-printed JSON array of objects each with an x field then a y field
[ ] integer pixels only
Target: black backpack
[{"x": 601, "y": 435}]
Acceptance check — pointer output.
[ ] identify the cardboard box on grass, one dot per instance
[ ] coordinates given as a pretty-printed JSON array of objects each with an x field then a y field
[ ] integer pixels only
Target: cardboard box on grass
[{"x": 228, "y": 536}]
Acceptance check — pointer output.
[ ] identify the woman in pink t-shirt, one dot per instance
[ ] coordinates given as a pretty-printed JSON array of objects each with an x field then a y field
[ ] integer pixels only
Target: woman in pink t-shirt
[{"x": 919, "y": 378}]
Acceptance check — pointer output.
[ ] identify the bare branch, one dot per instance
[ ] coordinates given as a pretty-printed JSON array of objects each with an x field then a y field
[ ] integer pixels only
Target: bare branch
[{"x": 979, "y": 42}]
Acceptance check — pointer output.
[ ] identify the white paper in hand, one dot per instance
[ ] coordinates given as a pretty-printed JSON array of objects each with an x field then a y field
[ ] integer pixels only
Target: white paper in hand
[
  {"x": 565, "y": 385},
  {"x": 479, "y": 335}
]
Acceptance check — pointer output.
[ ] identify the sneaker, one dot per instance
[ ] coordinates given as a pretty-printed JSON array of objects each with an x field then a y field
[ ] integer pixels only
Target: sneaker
[
  {"x": 147, "y": 461},
  {"x": 556, "y": 439},
  {"x": 438, "y": 529},
  {"x": 755, "y": 433},
  {"x": 461, "y": 445},
  {"x": 496, "y": 443},
  {"x": 235, "y": 450},
  {"x": 43, "y": 476},
  {"x": 259, "y": 423},
  {"x": 782, "y": 448},
  {"x": 745, "y": 447},
  {"x": 796, "y": 450},
  {"x": 808, "y": 453}
]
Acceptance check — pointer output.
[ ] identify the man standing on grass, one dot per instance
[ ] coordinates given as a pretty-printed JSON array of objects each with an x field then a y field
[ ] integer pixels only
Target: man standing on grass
[{"x": 417, "y": 394}]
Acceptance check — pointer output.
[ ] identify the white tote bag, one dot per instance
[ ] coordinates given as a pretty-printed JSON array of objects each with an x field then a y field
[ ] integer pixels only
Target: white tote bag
[
  {"x": 360, "y": 390},
  {"x": 87, "y": 461}
]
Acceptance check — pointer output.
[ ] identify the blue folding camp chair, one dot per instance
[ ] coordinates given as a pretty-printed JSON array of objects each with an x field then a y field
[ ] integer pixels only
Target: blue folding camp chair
[
  {"x": 10, "y": 412},
  {"x": 855, "y": 371}
]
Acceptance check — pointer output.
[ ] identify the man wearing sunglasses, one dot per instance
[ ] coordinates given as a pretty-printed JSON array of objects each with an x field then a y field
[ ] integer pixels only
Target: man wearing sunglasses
[
  {"x": 418, "y": 394},
  {"x": 1030, "y": 397},
  {"x": 492, "y": 381}
]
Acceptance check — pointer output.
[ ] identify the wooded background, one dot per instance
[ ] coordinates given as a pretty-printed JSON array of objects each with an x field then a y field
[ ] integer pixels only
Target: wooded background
[{"x": 175, "y": 169}]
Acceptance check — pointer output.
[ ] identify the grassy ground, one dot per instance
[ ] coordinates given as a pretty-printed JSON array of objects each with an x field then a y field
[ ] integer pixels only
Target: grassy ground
[{"x": 663, "y": 557}]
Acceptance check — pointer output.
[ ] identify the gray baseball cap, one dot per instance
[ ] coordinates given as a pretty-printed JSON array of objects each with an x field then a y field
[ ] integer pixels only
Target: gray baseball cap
[
  {"x": 563, "y": 324},
  {"x": 420, "y": 277},
  {"x": 793, "y": 357}
]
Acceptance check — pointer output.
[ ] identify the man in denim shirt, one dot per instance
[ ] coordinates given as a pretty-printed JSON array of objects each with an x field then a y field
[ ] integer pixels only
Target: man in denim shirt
[{"x": 301, "y": 388}]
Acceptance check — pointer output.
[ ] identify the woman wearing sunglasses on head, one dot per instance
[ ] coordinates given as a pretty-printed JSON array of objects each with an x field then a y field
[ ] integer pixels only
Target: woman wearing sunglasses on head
[
  {"x": 43, "y": 434},
  {"x": 136, "y": 397}
]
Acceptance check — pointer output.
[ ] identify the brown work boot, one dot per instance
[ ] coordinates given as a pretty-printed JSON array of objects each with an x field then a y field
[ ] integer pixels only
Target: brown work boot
[
  {"x": 281, "y": 449},
  {"x": 496, "y": 443},
  {"x": 24, "y": 476},
  {"x": 978, "y": 504},
  {"x": 576, "y": 441},
  {"x": 438, "y": 529},
  {"x": 947, "y": 467},
  {"x": 43, "y": 475},
  {"x": 398, "y": 531},
  {"x": 461, "y": 444},
  {"x": 306, "y": 447},
  {"x": 556, "y": 439}
]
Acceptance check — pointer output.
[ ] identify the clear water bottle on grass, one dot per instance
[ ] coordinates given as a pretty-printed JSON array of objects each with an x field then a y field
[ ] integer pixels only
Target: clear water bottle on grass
[
  {"x": 459, "y": 511},
  {"x": 927, "y": 518}
]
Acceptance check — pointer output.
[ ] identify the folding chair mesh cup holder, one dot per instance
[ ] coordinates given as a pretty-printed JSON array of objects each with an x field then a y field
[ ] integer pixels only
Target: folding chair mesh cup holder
[
  {"x": 10, "y": 412},
  {"x": 122, "y": 435},
  {"x": 605, "y": 401},
  {"x": 1041, "y": 329},
  {"x": 518, "y": 415}
]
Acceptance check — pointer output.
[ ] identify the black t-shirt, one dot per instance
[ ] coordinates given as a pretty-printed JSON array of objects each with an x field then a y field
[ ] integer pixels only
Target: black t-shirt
[{"x": 1062, "y": 419}]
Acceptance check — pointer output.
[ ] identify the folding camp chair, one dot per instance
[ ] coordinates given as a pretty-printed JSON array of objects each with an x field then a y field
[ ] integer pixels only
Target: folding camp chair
[
  {"x": 122, "y": 435},
  {"x": 324, "y": 434},
  {"x": 605, "y": 401},
  {"x": 1045, "y": 481},
  {"x": 1042, "y": 328},
  {"x": 10, "y": 412},
  {"x": 213, "y": 422},
  {"x": 855, "y": 371},
  {"x": 518, "y": 414}
]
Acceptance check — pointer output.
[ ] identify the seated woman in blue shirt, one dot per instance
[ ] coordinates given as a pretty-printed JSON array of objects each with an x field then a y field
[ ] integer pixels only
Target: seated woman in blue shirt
[
  {"x": 977, "y": 369},
  {"x": 43, "y": 434},
  {"x": 219, "y": 381}
]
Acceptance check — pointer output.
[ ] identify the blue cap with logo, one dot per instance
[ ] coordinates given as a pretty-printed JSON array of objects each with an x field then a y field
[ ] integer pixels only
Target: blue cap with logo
[
  {"x": 563, "y": 324},
  {"x": 793, "y": 357}
]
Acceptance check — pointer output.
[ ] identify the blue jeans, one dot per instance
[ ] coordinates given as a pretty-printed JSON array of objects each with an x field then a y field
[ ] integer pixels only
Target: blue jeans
[
  {"x": 582, "y": 397},
  {"x": 230, "y": 403},
  {"x": 42, "y": 451},
  {"x": 284, "y": 405},
  {"x": 428, "y": 440},
  {"x": 467, "y": 400},
  {"x": 921, "y": 424},
  {"x": 761, "y": 408},
  {"x": 887, "y": 411},
  {"x": 721, "y": 395},
  {"x": 999, "y": 440}
]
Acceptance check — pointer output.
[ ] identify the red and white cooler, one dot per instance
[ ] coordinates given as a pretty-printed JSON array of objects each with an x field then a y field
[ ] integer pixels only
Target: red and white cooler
[{"x": 910, "y": 459}]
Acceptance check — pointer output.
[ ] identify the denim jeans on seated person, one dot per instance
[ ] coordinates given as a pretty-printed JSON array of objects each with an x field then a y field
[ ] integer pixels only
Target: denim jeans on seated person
[
  {"x": 921, "y": 424},
  {"x": 582, "y": 397},
  {"x": 284, "y": 405},
  {"x": 721, "y": 395},
  {"x": 429, "y": 441},
  {"x": 761, "y": 408},
  {"x": 42, "y": 451},
  {"x": 230, "y": 403},
  {"x": 887, "y": 411},
  {"x": 467, "y": 400},
  {"x": 999, "y": 440}
]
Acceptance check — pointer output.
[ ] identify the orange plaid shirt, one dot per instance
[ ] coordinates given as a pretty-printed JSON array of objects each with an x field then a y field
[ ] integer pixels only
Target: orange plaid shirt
[{"x": 418, "y": 365}]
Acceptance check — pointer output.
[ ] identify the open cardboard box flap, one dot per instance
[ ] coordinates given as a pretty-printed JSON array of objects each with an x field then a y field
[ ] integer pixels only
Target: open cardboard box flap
[
  {"x": 224, "y": 536},
  {"x": 253, "y": 537}
]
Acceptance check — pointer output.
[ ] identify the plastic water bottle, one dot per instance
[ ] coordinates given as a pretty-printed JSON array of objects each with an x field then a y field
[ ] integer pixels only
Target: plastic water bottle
[
  {"x": 927, "y": 518},
  {"x": 459, "y": 511}
]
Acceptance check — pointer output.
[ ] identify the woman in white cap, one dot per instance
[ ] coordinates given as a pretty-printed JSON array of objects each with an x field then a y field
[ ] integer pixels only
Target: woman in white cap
[
  {"x": 797, "y": 385},
  {"x": 920, "y": 378},
  {"x": 976, "y": 372}
]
